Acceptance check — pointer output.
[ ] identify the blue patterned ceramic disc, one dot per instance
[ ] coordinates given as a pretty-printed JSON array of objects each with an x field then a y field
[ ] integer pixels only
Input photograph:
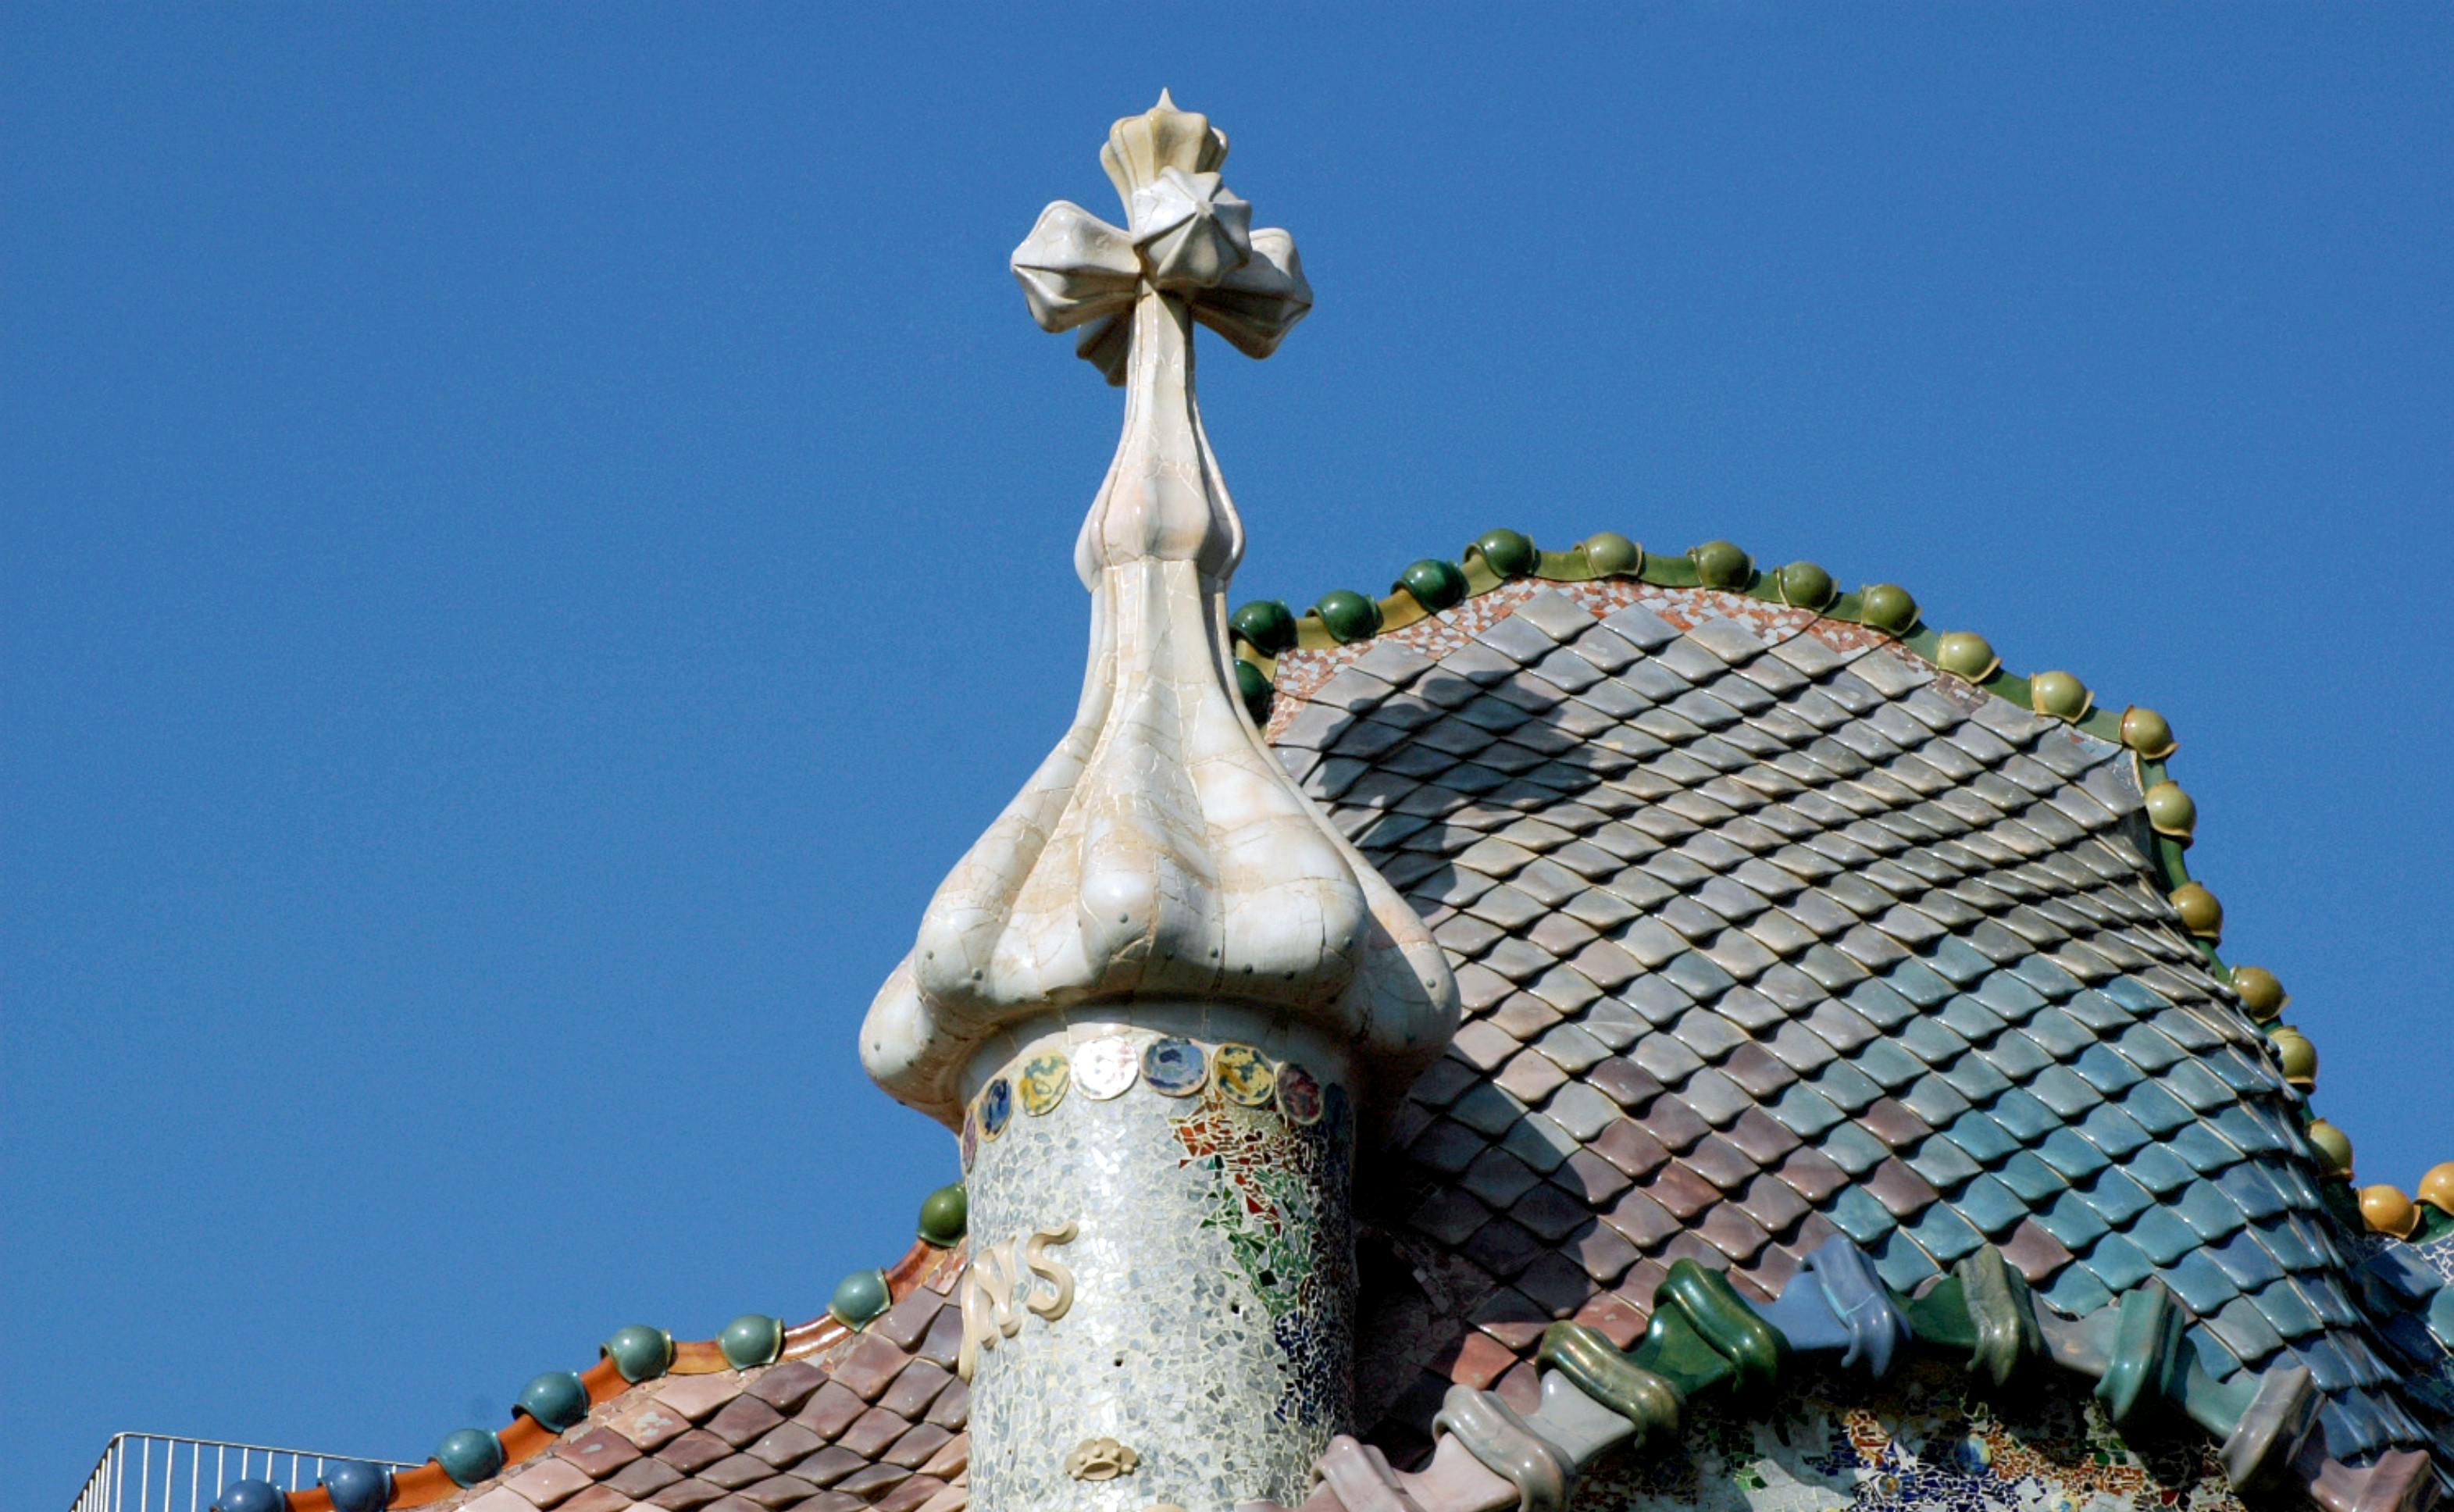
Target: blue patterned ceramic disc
[
  {"x": 1299, "y": 1094},
  {"x": 1176, "y": 1067},
  {"x": 1045, "y": 1081},
  {"x": 1243, "y": 1074},
  {"x": 997, "y": 1106}
]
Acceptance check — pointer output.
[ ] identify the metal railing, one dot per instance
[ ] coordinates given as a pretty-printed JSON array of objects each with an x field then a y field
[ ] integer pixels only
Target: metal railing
[{"x": 152, "y": 1472}]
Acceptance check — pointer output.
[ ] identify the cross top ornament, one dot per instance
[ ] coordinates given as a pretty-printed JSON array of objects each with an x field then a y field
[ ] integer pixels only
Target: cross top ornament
[
  {"x": 1190, "y": 254},
  {"x": 1160, "y": 871}
]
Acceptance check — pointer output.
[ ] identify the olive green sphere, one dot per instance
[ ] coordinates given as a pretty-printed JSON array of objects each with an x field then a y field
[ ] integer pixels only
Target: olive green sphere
[
  {"x": 1348, "y": 614},
  {"x": 2146, "y": 732},
  {"x": 2261, "y": 993},
  {"x": 1267, "y": 625},
  {"x": 1436, "y": 584},
  {"x": 2170, "y": 810},
  {"x": 2333, "y": 1146},
  {"x": 1966, "y": 654},
  {"x": 751, "y": 1339},
  {"x": 1511, "y": 553},
  {"x": 2058, "y": 694},
  {"x": 556, "y": 1400},
  {"x": 1720, "y": 564},
  {"x": 945, "y": 1214},
  {"x": 2201, "y": 914},
  {"x": 1887, "y": 607},
  {"x": 2298, "y": 1055},
  {"x": 639, "y": 1352},
  {"x": 860, "y": 1297},
  {"x": 1804, "y": 585},
  {"x": 470, "y": 1456},
  {"x": 1611, "y": 555}
]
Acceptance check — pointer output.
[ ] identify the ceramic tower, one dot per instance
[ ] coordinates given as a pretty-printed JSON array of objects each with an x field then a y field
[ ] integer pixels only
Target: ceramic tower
[{"x": 1161, "y": 999}]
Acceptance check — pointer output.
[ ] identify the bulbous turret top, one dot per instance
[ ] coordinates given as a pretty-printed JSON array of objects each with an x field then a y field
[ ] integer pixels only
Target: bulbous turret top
[{"x": 1160, "y": 854}]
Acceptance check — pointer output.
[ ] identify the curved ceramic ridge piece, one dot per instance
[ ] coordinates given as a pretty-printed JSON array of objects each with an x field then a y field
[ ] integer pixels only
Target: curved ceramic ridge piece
[
  {"x": 1585, "y": 1358},
  {"x": 2002, "y": 1312},
  {"x": 2272, "y": 1429},
  {"x": 2398, "y": 1480},
  {"x": 2146, "y": 1355},
  {"x": 1360, "y": 1476},
  {"x": 1722, "y": 1317},
  {"x": 1580, "y": 1427},
  {"x": 1160, "y": 851},
  {"x": 1876, "y": 1327},
  {"x": 1493, "y": 1433},
  {"x": 1457, "y": 1482}
]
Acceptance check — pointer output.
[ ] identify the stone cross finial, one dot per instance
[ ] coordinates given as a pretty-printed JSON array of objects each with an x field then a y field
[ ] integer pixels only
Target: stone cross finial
[{"x": 1190, "y": 236}]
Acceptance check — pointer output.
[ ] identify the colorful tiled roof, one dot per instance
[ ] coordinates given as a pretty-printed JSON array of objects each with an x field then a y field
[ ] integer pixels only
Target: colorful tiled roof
[{"x": 1771, "y": 929}]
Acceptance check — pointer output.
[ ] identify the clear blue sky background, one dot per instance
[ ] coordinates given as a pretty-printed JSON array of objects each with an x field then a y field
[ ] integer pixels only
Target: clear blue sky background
[{"x": 535, "y": 537}]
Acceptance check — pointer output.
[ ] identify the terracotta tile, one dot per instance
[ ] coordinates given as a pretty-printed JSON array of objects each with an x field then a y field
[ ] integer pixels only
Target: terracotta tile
[
  {"x": 501, "y": 1498},
  {"x": 643, "y": 1479},
  {"x": 1511, "y": 1317},
  {"x": 598, "y": 1452},
  {"x": 1630, "y": 1148},
  {"x": 953, "y": 1458},
  {"x": 734, "y": 1471},
  {"x": 945, "y": 1339},
  {"x": 953, "y": 1407},
  {"x": 1682, "y": 1191},
  {"x": 1761, "y": 1136},
  {"x": 599, "y": 1499},
  {"x": 1587, "y": 1175},
  {"x": 1889, "y": 1119},
  {"x": 829, "y": 1465},
  {"x": 916, "y": 1388},
  {"x": 1478, "y": 1358},
  {"x": 778, "y": 1491},
  {"x": 1502, "y": 1247},
  {"x": 695, "y": 1451},
  {"x": 741, "y": 1420},
  {"x": 907, "y": 1322},
  {"x": 1557, "y": 1284},
  {"x": 1643, "y": 1220},
  {"x": 733, "y": 1502},
  {"x": 868, "y": 1484},
  {"x": 873, "y": 1432},
  {"x": 1624, "y": 1083},
  {"x": 1902, "y": 1191},
  {"x": 1521, "y": 1388},
  {"x": 1604, "y": 1251},
  {"x": 1675, "y": 1125},
  {"x": 2037, "y": 1254},
  {"x": 870, "y": 1366},
  {"x": 1720, "y": 1163},
  {"x": 788, "y": 1442},
  {"x": 912, "y": 1450},
  {"x": 786, "y": 1386},
  {"x": 833, "y": 1502},
  {"x": 1812, "y": 1174},
  {"x": 1728, "y": 1229},
  {"x": 684, "y": 1494},
  {"x": 910, "y": 1495},
  {"x": 547, "y": 1481},
  {"x": 1618, "y": 1322},
  {"x": 1550, "y": 1212},
  {"x": 1770, "y": 1203},
  {"x": 831, "y": 1411},
  {"x": 697, "y": 1397}
]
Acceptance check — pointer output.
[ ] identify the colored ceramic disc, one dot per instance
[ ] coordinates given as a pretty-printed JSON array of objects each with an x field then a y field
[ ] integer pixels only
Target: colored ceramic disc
[
  {"x": 1044, "y": 1080},
  {"x": 1106, "y": 1067},
  {"x": 997, "y": 1106},
  {"x": 1176, "y": 1067},
  {"x": 1243, "y": 1074},
  {"x": 1299, "y": 1094}
]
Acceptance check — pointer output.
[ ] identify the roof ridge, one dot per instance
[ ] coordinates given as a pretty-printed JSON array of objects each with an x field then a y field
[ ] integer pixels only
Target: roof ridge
[
  {"x": 1263, "y": 630},
  {"x": 631, "y": 1356}
]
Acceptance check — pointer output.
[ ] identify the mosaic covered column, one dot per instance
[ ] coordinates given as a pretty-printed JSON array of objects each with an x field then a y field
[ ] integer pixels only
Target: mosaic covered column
[
  {"x": 1161, "y": 1000},
  {"x": 1165, "y": 1227}
]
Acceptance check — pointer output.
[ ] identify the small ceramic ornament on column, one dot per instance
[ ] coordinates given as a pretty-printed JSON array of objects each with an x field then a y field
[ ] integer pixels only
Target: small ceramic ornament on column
[{"x": 1162, "y": 997}]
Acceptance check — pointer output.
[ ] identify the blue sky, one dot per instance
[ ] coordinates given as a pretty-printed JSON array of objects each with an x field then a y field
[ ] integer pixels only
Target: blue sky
[{"x": 537, "y": 534}]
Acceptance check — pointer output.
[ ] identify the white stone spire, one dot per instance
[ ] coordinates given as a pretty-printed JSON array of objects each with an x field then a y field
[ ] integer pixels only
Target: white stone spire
[{"x": 1161, "y": 869}]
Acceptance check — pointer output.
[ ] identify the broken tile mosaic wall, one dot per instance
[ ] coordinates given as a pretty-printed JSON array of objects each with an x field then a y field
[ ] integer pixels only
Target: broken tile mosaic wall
[
  {"x": 1926, "y": 1442},
  {"x": 1210, "y": 1328}
]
